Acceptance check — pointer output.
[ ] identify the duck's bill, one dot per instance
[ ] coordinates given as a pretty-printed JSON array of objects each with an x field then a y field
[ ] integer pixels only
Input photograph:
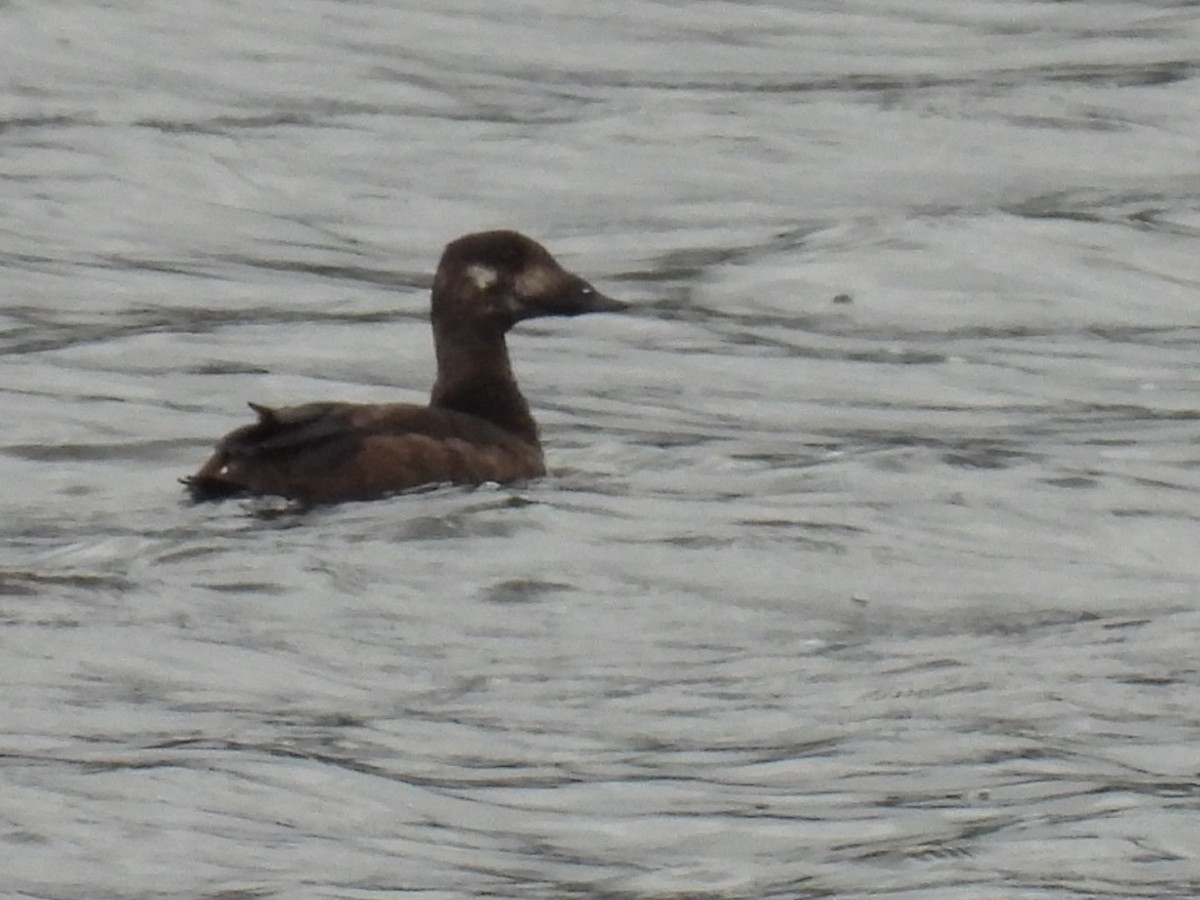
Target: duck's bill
[{"x": 598, "y": 302}]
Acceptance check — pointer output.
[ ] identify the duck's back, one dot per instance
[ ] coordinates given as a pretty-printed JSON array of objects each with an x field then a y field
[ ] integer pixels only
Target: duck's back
[{"x": 331, "y": 452}]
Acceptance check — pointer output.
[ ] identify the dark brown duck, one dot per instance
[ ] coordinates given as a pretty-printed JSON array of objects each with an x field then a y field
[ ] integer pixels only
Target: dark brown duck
[{"x": 477, "y": 426}]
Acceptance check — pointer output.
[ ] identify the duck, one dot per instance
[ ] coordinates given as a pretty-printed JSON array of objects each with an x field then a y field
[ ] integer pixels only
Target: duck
[{"x": 477, "y": 427}]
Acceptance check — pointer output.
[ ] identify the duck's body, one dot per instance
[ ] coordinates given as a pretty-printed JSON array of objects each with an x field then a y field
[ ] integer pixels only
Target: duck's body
[
  {"x": 477, "y": 426},
  {"x": 332, "y": 452}
]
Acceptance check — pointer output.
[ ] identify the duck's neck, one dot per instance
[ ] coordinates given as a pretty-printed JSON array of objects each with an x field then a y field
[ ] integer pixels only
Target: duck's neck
[{"x": 474, "y": 377}]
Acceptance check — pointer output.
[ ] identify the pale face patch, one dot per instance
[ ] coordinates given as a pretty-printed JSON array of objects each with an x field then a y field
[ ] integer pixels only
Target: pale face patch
[
  {"x": 537, "y": 281},
  {"x": 483, "y": 277}
]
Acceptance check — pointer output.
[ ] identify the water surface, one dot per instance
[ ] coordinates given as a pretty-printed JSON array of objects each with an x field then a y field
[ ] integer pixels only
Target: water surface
[{"x": 867, "y": 563}]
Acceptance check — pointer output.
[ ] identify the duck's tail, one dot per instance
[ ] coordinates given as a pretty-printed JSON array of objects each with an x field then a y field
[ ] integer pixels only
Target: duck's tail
[{"x": 211, "y": 481}]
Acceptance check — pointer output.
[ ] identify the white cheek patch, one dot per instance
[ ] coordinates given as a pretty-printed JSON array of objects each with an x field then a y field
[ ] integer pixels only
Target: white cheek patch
[
  {"x": 536, "y": 282},
  {"x": 483, "y": 277}
]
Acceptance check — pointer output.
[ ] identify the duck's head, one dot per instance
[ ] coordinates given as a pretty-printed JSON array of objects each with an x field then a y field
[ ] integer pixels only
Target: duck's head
[{"x": 494, "y": 279}]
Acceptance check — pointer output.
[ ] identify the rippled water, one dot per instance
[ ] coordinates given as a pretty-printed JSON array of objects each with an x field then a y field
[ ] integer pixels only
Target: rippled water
[{"x": 868, "y": 565}]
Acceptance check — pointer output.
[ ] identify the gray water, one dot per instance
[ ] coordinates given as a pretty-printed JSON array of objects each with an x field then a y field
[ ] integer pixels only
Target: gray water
[{"x": 868, "y": 562}]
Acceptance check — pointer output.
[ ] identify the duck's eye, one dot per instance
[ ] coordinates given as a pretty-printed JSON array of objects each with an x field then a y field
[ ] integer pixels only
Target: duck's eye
[{"x": 587, "y": 290}]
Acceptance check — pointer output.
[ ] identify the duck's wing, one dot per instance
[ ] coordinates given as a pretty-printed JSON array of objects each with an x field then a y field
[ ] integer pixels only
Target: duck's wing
[
  {"x": 327, "y": 452},
  {"x": 246, "y": 459}
]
